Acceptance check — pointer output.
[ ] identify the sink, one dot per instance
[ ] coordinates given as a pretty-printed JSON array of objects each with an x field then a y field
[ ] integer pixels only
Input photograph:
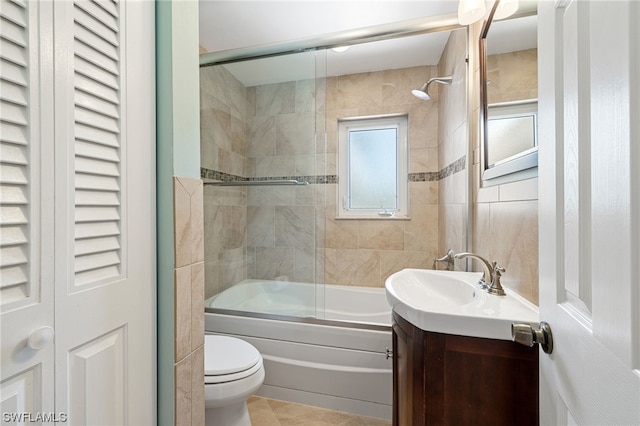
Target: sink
[
  {"x": 435, "y": 290},
  {"x": 452, "y": 302}
]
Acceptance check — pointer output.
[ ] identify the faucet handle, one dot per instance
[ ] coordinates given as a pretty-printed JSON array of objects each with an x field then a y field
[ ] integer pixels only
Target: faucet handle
[
  {"x": 447, "y": 259},
  {"x": 496, "y": 287}
]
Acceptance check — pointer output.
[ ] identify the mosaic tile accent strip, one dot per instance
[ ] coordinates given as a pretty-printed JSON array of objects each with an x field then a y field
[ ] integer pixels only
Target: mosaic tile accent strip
[
  {"x": 424, "y": 177},
  {"x": 451, "y": 169},
  {"x": 216, "y": 175},
  {"x": 226, "y": 177}
]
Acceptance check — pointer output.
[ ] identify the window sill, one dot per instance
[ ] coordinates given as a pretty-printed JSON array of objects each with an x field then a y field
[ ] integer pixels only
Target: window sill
[{"x": 372, "y": 218}]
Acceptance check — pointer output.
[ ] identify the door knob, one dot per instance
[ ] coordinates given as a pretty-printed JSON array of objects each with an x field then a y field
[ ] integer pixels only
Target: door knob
[
  {"x": 529, "y": 336},
  {"x": 40, "y": 338}
]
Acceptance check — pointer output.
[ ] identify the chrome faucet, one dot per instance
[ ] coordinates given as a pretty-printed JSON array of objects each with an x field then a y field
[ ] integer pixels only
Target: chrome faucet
[
  {"x": 447, "y": 259},
  {"x": 490, "y": 280}
]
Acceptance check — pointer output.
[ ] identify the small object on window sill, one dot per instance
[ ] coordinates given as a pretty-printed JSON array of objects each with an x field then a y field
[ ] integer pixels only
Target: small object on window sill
[
  {"x": 394, "y": 217},
  {"x": 386, "y": 213}
]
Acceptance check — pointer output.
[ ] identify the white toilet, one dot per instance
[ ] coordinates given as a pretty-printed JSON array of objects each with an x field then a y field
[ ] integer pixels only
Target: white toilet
[{"x": 233, "y": 371}]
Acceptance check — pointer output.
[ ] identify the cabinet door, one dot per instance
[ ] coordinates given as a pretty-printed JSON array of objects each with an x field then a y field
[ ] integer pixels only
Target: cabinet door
[
  {"x": 402, "y": 378},
  {"x": 442, "y": 379},
  {"x": 487, "y": 382},
  {"x": 409, "y": 381}
]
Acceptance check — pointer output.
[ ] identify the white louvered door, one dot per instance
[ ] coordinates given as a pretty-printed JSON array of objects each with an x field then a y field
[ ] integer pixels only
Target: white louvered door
[
  {"x": 78, "y": 209},
  {"x": 104, "y": 294},
  {"x": 26, "y": 197}
]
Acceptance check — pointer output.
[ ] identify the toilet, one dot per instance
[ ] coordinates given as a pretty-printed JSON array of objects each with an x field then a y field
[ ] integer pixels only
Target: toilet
[{"x": 233, "y": 371}]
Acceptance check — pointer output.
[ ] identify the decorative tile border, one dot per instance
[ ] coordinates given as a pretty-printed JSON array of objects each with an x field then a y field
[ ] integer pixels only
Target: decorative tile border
[
  {"x": 216, "y": 175},
  {"x": 424, "y": 177},
  {"x": 453, "y": 168},
  {"x": 226, "y": 177},
  {"x": 457, "y": 166}
]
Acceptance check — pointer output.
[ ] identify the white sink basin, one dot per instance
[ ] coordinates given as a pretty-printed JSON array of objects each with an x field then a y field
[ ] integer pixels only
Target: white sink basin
[{"x": 451, "y": 302}]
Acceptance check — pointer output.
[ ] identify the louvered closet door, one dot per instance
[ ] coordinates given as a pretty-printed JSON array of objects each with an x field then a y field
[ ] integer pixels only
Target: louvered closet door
[
  {"x": 26, "y": 205},
  {"x": 105, "y": 211}
]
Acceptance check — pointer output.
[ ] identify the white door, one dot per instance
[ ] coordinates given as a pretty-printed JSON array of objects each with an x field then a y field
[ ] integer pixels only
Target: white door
[
  {"x": 98, "y": 281},
  {"x": 589, "y": 172},
  {"x": 26, "y": 197}
]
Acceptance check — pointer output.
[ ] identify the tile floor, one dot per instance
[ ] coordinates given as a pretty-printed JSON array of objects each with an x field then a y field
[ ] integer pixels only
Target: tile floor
[{"x": 271, "y": 412}]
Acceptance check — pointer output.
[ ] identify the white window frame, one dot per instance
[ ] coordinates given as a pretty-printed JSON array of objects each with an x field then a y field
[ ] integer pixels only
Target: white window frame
[{"x": 400, "y": 122}]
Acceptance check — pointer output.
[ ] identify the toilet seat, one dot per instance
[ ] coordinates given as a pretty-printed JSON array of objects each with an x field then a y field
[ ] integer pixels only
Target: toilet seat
[
  {"x": 224, "y": 378},
  {"x": 228, "y": 359}
]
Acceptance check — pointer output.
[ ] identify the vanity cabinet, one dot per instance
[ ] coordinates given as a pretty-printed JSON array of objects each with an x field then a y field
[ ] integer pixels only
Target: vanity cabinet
[{"x": 444, "y": 379}]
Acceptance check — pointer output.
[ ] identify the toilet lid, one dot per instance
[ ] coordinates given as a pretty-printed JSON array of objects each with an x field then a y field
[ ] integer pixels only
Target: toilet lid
[{"x": 228, "y": 355}]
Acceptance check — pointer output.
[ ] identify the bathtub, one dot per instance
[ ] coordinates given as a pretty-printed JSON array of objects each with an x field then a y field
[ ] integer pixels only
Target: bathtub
[{"x": 323, "y": 345}]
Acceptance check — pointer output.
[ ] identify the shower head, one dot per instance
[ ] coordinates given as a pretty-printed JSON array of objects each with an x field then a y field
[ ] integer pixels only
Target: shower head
[{"x": 422, "y": 92}]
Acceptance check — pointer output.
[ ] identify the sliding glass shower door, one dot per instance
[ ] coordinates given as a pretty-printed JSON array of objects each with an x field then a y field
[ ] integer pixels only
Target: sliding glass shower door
[{"x": 262, "y": 137}]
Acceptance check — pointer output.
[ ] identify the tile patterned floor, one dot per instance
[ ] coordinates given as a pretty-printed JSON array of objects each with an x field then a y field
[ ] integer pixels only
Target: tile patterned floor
[{"x": 270, "y": 412}]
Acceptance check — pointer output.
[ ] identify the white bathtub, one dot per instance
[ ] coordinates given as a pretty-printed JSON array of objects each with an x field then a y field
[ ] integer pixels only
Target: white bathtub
[
  {"x": 334, "y": 356},
  {"x": 363, "y": 305}
]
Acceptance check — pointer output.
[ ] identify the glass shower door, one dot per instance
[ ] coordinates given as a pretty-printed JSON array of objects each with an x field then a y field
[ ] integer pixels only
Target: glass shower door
[{"x": 259, "y": 127}]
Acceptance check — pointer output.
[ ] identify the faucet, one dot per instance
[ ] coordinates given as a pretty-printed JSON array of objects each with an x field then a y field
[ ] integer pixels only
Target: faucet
[
  {"x": 490, "y": 280},
  {"x": 447, "y": 259},
  {"x": 496, "y": 286}
]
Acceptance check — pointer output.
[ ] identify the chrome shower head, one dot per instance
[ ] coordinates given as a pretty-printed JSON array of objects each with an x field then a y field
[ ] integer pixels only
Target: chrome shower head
[{"x": 422, "y": 92}]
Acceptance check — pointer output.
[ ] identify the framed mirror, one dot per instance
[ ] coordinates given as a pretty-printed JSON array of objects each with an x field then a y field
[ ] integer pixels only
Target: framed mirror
[{"x": 508, "y": 94}]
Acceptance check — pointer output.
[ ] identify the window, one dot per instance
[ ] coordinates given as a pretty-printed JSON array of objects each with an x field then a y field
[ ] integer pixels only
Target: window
[{"x": 372, "y": 158}]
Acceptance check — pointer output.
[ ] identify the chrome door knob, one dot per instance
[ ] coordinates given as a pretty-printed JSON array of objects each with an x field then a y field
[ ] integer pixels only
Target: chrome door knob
[
  {"x": 529, "y": 336},
  {"x": 40, "y": 338}
]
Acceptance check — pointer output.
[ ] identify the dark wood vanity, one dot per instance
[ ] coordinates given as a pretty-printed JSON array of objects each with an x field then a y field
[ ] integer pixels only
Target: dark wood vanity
[{"x": 444, "y": 379}]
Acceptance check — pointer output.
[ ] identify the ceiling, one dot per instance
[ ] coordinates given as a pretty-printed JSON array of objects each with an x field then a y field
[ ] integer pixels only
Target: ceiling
[
  {"x": 235, "y": 24},
  {"x": 229, "y": 25}
]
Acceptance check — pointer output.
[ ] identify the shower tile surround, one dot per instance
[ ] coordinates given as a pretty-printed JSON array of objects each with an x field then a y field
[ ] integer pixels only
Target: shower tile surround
[
  {"x": 452, "y": 144},
  {"x": 189, "y": 301},
  {"x": 275, "y": 231}
]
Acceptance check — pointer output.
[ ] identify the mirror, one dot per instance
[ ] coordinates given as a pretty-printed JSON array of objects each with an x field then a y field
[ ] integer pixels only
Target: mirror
[{"x": 509, "y": 87}]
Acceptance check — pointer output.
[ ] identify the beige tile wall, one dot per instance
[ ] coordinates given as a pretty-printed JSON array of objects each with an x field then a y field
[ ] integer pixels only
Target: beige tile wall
[
  {"x": 283, "y": 222},
  {"x": 366, "y": 252},
  {"x": 505, "y": 217},
  {"x": 513, "y": 76},
  {"x": 453, "y": 143},
  {"x": 506, "y": 230},
  {"x": 189, "y": 301},
  {"x": 281, "y": 232},
  {"x": 223, "y": 133}
]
